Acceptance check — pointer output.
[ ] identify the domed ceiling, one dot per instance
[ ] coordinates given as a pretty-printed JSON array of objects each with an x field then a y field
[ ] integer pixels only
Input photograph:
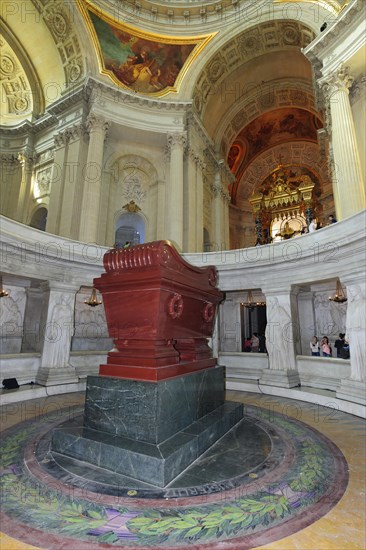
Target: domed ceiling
[
  {"x": 16, "y": 91},
  {"x": 240, "y": 65}
]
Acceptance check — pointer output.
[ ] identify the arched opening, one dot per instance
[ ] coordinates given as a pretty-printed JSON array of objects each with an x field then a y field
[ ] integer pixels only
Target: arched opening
[
  {"x": 206, "y": 240},
  {"x": 130, "y": 227},
  {"x": 39, "y": 219}
]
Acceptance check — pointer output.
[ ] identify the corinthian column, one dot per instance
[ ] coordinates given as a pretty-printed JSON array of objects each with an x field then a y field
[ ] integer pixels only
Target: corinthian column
[
  {"x": 97, "y": 128},
  {"x": 348, "y": 187},
  {"x": 176, "y": 144}
]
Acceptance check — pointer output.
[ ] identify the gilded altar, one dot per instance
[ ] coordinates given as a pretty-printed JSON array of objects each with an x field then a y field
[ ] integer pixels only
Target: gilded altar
[{"x": 284, "y": 207}]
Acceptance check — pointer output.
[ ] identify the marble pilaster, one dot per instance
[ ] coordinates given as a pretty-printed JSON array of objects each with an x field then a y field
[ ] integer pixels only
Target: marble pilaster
[
  {"x": 57, "y": 325},
  {"x": 218, "y": 213},
  {"x": 72, "y": 195},
  {"x": 175, "y": 195},
  {"x": 193, "y": 201},
  {"x": 89, "y": 220},
  {"x": 26, "y": 162},
  {"x": 57, "y": 182},
  {"x": 306, "y": 320},
  {"x": 161, "y": 212},
  {"x": 348, "y": 186},
  {"x": 200, "y": 167},
  {"x": 11, "y": 176}
]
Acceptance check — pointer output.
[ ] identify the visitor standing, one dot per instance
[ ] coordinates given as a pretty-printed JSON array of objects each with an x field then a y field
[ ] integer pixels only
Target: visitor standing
[
  {"x": 339, "y": 343},
  {"x": 314, "y": 346},
  {"x": 326, "y": 349},
  {"x": 255, "y": 342}
]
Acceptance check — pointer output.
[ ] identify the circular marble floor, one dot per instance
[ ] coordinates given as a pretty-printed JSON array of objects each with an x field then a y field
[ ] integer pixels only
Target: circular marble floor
[{"x": 267, "y": 478}]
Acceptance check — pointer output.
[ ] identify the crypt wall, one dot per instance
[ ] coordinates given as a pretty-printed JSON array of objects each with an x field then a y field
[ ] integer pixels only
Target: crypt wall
[{"x": 44, "y": 273}]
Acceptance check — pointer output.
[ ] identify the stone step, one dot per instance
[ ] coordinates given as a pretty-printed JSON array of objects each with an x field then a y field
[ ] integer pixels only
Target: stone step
[{"x": 155, "y": 464}]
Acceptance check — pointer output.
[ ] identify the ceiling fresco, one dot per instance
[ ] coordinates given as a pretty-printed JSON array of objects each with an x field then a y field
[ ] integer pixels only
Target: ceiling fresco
[
  {"x": 276, "y": 127},
  {"x": 141, "y": 62},
  {"x": 267, "y": 131}
]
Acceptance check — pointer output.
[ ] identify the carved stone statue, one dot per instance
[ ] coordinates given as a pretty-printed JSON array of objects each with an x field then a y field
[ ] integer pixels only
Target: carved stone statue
[
  {"x": 278, "y": 336},
  {"x": 356, "y": 331}
]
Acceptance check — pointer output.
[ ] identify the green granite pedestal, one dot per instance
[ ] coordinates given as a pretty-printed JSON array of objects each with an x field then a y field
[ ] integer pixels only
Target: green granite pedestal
[{"x": 149, "y": 431}]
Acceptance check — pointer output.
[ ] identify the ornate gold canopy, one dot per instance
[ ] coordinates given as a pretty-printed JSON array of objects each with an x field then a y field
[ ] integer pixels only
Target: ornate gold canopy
[{"x": 285, "y": 198}]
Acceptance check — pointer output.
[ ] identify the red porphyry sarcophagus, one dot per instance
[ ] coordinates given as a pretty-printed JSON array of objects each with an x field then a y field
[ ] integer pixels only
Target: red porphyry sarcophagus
[{"x": 160, "y": 312}]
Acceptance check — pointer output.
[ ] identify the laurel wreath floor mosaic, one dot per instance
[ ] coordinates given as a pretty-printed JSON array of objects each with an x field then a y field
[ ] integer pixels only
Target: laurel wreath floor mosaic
[{"x": 296, "y": 476}]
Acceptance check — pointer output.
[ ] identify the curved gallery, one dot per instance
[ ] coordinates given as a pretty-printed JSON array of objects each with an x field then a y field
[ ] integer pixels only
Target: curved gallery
[{"x": 251, "y": 267}]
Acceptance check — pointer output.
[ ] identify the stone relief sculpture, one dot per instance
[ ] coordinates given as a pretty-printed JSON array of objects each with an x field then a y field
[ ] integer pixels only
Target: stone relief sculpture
[
  {"x": 330, "y": 317},
  {"x": 278, "y": 336},
  {"x": 11, "y": 322},
  {"x": 59, "y": 330}
]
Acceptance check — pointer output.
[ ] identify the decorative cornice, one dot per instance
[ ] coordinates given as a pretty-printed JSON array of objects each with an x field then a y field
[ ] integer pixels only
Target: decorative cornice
[
  {"x": 183, "y": 15},
  {"x": 314, "y": 51},
  {"x": 24, "y": 128},
  {"x": 71, "y": 97},
  {"x": 102, "y": 91}
]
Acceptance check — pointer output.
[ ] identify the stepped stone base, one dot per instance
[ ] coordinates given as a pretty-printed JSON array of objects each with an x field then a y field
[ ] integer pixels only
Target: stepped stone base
[
  {"x": 53, "y": 377},
  {"x": 280, "y": 378},
  {"x": 154, "y": 464},
  {"x": 149, "y": 431},
  {"x": 352, "y": 390}
]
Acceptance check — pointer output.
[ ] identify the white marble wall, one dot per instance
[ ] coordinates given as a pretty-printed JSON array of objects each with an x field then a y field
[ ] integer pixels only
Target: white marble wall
[{"x": 91, "y": 331}]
